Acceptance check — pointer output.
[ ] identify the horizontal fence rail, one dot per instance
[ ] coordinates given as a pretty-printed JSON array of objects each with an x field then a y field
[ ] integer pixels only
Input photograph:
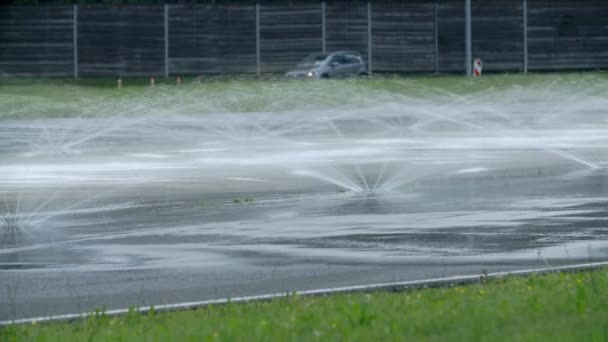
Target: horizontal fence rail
[{"x": 413, "y": 36}]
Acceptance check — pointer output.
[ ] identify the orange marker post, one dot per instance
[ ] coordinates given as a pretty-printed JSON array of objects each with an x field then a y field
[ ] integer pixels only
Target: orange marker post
[{"x": 477, "y": 67}]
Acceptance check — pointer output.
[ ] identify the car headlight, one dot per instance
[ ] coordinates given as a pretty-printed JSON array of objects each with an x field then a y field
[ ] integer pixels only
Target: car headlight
[{"x": 311, "y": 74}]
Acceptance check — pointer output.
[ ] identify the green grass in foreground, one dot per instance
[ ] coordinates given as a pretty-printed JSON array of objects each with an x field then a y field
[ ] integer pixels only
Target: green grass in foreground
[{"x": 552, "y": 307}]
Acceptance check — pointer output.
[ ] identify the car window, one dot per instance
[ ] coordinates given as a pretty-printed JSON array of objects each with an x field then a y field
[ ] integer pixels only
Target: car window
[
  {"x": 340, "y": 59},
  {"x": 314, "y": 59},
  {"x": 353, "y": 59}
]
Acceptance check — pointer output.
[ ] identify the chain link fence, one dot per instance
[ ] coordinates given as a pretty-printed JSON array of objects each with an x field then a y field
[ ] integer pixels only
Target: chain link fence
[{"x": 413, "y": 36}]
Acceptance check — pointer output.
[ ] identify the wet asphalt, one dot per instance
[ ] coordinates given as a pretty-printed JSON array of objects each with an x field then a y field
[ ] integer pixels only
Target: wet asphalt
[{"x": 195, "y": 208}]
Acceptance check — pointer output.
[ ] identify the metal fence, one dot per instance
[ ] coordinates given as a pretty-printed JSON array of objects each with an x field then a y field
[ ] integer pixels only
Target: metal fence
[{"x": 412, "y": 36}]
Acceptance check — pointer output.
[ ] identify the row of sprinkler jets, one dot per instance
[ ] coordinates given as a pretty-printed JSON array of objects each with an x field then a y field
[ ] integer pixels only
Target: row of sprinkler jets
[
  {"x": 178, "y": 80},
  {"x": 477, "y": 68}
]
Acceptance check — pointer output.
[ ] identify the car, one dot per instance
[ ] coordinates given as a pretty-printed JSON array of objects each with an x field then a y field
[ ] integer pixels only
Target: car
[{"x": 330, "y": 65}]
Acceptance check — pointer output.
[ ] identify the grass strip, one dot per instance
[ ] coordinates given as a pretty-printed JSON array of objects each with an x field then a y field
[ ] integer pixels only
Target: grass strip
[
  {"x": 559, "y": 306},
  {"x": 99, "y": 97}
]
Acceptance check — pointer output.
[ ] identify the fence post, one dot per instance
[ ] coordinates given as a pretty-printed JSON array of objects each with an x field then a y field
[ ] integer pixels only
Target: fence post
[
  {"x": 525, "y": 10},
  {"x": 369, "y": 37},
  {"x": 323, "y": 24},
  {"x": 75, "y": 39},
  {"x": 257, "y": 39},
  {"x": 166, "y": 41},
  {"x": 468, "y": 48},
  {"x": 436, "y": 35}
]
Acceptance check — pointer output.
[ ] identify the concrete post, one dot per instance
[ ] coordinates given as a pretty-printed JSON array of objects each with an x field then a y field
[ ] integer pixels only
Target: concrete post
[
  {"x": 369, "y": 38},
  {"x": 468, "y": 44},
  {"x": 75, "y": 40},
  {"x": 257, "y": 39},
  {"x": 525, "y": 10},
  {"x": 323, "y": 37},
  {"x": 166, "y": 41},
  {"x": 436, "y": 36}
]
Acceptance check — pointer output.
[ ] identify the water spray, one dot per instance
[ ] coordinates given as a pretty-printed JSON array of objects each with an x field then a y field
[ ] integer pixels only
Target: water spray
[{"x": 12, "y": 226}]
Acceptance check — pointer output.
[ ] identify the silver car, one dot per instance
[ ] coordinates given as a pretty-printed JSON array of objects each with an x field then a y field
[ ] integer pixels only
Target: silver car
[{"x": 330, "y": 65}]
